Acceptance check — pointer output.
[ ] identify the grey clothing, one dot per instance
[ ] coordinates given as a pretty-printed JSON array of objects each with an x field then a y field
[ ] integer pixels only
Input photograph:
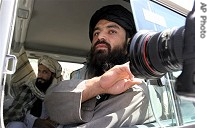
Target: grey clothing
[{"x": 63, "y": 105}]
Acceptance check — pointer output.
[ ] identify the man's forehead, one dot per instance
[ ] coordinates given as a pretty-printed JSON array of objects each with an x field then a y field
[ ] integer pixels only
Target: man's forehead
[
  {"x": 43, "y": 67},
  {"x": 107, "y": 24}
]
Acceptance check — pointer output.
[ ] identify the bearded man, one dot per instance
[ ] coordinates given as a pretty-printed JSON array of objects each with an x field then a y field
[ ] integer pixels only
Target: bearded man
[
  {"x": 104, "y": 93},
  {"x": 27, "y": 109}
]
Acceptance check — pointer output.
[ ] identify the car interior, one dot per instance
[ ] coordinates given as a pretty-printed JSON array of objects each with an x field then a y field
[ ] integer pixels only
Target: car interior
[{"x": 59, "y": 28}]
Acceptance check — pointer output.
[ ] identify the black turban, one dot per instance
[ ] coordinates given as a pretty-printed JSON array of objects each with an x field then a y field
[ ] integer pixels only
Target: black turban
[{"x": 113, "y": 13}]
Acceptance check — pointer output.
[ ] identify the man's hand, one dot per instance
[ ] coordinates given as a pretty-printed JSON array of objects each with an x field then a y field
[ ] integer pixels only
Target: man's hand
[
  {"x": 44, "y": 123},
  {"x": 118, "y": 79},
  {"x": 115, "y": 81}
]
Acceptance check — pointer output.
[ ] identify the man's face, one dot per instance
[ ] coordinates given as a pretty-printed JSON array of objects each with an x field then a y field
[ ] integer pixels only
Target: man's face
[
  {"x": 44, "y": 79},
  {"x": 108, "y": 35},
  {"x": 109, "y": 46},
  {"x": 44, "y": 74}
]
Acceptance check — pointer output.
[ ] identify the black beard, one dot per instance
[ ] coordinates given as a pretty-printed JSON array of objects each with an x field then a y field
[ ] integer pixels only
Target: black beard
[
  {"x": 100, "y": 61},
  {"x": 43, "y": 86}
]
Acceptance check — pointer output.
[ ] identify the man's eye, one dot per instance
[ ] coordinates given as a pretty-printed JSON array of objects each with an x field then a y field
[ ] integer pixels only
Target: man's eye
[
  {"x": 44, "y": 72},
  {"x": 112, "y": 31},
  {"x": 95, "y": 34}
]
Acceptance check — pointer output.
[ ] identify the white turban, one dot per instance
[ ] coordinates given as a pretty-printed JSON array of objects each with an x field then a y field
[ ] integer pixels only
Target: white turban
[{"x": 52, "y": 65}]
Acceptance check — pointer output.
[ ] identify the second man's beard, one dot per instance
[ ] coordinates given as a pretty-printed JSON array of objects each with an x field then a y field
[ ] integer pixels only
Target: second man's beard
[
  {"x": 43, "y": 86},
  {"x": 100, "y": 62}
]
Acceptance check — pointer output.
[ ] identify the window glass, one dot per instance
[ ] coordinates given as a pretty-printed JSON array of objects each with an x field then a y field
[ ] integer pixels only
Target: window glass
[
  {"x": 67, "y": 67},
  {"x": 151, "y": 16},
  {"x": 173, "y": 110}
]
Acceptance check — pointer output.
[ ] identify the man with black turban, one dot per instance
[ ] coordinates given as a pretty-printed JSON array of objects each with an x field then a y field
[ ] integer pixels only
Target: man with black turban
[{"x": 104, "y": 93}]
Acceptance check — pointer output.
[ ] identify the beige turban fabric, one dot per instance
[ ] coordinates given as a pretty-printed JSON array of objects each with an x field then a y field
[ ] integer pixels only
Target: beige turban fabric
[
  {"x": 24, "y": 72},
  {"x": 52, "y": 65}
]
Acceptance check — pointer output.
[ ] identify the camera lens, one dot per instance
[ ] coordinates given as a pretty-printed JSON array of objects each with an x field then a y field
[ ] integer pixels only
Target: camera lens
[{"x": 152, "y": 54}]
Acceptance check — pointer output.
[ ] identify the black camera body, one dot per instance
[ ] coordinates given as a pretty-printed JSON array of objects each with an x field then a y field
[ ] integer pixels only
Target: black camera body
[{"x": 153, "y": 54}]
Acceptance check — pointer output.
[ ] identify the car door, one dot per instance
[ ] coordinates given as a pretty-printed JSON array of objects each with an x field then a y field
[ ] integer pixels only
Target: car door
[{"x": 7, "y": 61}]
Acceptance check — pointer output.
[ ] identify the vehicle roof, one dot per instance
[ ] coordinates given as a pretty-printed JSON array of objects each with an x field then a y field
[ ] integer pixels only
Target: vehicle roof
[{"x": 58, "y": 28}]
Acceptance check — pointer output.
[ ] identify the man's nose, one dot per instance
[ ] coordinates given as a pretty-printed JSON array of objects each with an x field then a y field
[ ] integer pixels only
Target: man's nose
[
  {"x": 102, "y": 36},
  {"x": 40, "y": 75}
]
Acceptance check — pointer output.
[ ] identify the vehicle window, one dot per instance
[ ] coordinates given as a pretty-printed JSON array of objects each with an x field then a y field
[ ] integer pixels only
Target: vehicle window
[
  {"x": 171, "y": 110},
  {"x": 67, "y": 67},
  {"x": 151, "y": 16}
]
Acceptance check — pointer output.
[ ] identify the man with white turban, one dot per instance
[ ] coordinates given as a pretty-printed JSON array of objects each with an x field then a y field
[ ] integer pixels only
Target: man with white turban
[{"x": 27, "y": 109}]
